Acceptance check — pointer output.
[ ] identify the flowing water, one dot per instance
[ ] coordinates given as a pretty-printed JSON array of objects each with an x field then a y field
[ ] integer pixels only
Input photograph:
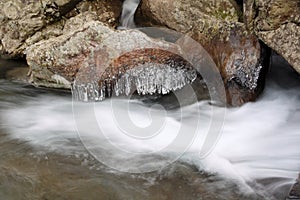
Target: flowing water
[
  {"x": 256, "y": 157},
  {"x": 127, "y": 16}
]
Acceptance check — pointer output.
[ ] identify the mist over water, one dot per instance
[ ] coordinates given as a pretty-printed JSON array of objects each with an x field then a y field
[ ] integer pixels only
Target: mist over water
[{"x": 258, "y": 148}]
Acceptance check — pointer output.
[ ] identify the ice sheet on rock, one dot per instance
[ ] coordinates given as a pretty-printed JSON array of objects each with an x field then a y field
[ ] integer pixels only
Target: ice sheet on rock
[
  {"x": 152, "y": 78},
  {"x": 148, "y": 78}
]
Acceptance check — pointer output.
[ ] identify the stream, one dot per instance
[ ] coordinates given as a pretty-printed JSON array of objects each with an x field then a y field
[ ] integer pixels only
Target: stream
[{"x": 256, "y": 156}]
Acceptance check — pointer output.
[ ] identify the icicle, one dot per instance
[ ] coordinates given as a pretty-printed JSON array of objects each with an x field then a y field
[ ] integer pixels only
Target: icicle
[
  {"x": 153, "y": 78},
  {"x": 148, "y": 78},
  {"x": 86, "y": 92}
]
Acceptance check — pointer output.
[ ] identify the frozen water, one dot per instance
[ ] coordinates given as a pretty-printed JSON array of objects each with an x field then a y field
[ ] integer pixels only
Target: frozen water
[
  {"x": 154, "y": 79},
  {"x": 148, "y": 78},
  {"x": 87, "y": 92}
]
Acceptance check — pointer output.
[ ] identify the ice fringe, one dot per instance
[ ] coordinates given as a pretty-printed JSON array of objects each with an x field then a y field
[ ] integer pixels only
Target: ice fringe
[{"x": 148, "y": 78}]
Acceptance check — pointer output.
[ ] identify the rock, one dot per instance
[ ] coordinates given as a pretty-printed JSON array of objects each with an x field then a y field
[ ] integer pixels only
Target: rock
[
  {"x": 24, "y": 23},
  {"x": 13, "y": 70},
  {"x": 215, "y": 24},
  {"x": 241, "y": 61},
  {"x": 100, "y": 60},
  {"x": 183, "y": 15},
  {"x": 295, "y": 190},
  {"x": 108, "y": 11},
  {"x": 61, "y": 38},
  {"x": 58, "y": 61},
  {"x": 276, "y": 23},
  {"x": 19, "y": 20},
  {"x": 55, "y": 62}
]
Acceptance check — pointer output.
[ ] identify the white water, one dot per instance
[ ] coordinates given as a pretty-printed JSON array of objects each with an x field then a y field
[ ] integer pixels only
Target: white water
[
  {"x": 127, "y": 17},
  {"x": 259, "y": 140}
]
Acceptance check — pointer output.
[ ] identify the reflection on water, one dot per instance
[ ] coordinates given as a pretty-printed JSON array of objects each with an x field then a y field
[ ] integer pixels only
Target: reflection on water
[{"x": 257, "y": 156}]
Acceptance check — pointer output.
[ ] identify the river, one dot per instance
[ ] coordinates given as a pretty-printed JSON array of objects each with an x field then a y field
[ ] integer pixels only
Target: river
[{"x": 256, "y": 155}]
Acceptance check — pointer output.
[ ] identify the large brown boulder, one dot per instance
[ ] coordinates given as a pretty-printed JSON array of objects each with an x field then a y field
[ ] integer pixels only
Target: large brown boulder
[
  {"x": 215, "y": 24},
  {"x": 100, "y": 60},
  {"x": 276, "y": 23}
]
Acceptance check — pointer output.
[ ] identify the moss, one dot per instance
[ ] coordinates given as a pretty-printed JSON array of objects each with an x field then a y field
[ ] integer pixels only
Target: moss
[{"x": 223, "y": 15}]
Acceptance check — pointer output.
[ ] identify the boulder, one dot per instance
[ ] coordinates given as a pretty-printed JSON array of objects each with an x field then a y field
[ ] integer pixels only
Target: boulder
[
  {"x": 24, "y": 23},
  {"x": 100, "y": 60},
  {"x": 215, "y": 24},
  {"x": 183, "y": 15},
  {"x": 55, "y": 62},
  {"x": 276, "y": 23}
]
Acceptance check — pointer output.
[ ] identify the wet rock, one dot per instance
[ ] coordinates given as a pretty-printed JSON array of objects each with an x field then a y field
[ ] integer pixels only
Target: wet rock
[
  {"x": 276, "y": 23},
  {"x": 295, "y": 190},
  {"x": 242, "y": 64},
  {"x": 215, "y": 24},
  {"x": 24, "y": 23},
  {"x": 147, "y": 71},
  {"x": 100, "y": 61}
]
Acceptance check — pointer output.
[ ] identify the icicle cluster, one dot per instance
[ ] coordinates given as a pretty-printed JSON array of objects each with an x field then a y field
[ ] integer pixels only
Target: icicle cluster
[
  {"x": 87, "y": 92},
  {"x": 148, "y": 78},
  {"x": 152, "y": 78}
]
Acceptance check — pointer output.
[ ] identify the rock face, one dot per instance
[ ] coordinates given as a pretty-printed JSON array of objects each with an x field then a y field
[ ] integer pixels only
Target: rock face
[
  {"x": 276, "y": 23},
  {"x": 215, "y": 24},
  {"x": 24, "y": 23}
]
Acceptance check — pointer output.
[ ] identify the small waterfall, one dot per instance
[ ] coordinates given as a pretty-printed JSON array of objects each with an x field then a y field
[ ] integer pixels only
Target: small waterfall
[{"x": 127, "y": 17}]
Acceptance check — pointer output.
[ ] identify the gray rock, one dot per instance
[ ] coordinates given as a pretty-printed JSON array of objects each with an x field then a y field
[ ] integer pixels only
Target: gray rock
[
  {"x": 55, "y": 62},
  {"x": 276, "y": 23},
  {"x": 24, "y": 23},
  {"x": 19, "y": 20}
]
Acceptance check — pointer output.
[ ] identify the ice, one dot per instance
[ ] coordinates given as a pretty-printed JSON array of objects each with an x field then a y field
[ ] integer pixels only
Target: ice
[
  {"x": 147, "y": 78},
  {"x": 87, "y": 92},
  {"x": 152, "y": 79}
]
